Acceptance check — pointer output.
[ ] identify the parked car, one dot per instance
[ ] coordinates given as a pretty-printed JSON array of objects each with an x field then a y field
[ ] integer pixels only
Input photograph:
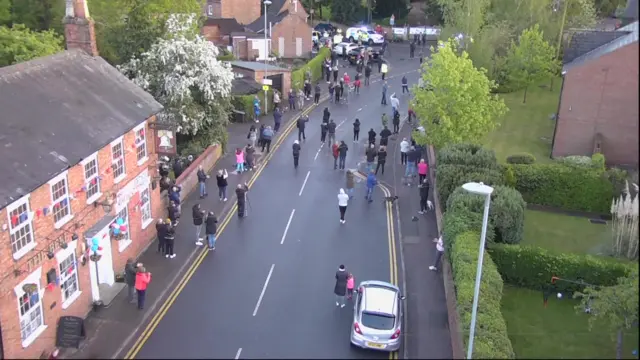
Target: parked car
[
  {"x": 352, "y": 55},
  {"x": 370, "y": 36},
  {"x": 338, "y": 47},
  {"x": 377, "y": 316},
  {"x": 322, "y": 27}
]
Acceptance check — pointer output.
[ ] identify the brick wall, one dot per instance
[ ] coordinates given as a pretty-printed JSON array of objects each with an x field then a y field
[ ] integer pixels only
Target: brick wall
[
  {"x": 84, "y": 217},
  {"x": 286, "y": 78},
  {"x": 189, "y": 178},
  {"x": 212, "y": 33},
  {"x": 601, "y": 96},
  {"x": 244, "y": 11},
  {"x": 291, "y": 28}
]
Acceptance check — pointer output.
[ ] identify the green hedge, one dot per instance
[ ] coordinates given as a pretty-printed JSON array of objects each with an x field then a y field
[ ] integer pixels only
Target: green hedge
[
  {"x": 315, "y": 65},
  {"x": 467, "y": 154},
  {"x": 245, "y": 103},
  {"x": 532, "y": 267},
  {"x": 450, "y": 176},
  {"x": 565, "y": 187},
  {"x": 491, "y": 338},
  {"x": 457, "y": 222},
  {"x": 522, "y": 158}
]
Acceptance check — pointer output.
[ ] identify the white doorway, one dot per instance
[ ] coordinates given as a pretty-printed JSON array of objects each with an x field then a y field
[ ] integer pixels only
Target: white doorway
[{"x": 101, "y": 272}]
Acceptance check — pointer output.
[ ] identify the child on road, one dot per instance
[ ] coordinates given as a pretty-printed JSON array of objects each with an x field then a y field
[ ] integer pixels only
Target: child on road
[
  {"x": 239, "y": 160},
  {"x": 351, "y": 281}
]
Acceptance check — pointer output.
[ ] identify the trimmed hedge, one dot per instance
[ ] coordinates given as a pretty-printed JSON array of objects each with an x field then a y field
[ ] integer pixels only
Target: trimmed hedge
[
  {"x": 532, "y": 267},
  {"x": 315, "y": 65},
  {"x": 451, "y": 176},
  {"x": 565, "y": 187},
  {"x": 455, "y": 223},
  {"x": 523, "y": 158},
  {"x": 467, "y": 154},
  {"x": 491, "y": 337}
]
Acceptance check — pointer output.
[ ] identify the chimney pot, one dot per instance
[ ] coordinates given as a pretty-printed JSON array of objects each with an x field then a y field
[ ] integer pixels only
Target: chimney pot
[{"x": 79, "y": 30}]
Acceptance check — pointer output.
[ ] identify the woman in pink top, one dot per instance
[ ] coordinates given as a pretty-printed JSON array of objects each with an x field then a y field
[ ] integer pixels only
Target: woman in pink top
[
  {"x": 143, "y": 278},
  {"x": 239, "y": 160},
  {"x": 351, "y": 281},
  {"x": 422, "y": 170}
]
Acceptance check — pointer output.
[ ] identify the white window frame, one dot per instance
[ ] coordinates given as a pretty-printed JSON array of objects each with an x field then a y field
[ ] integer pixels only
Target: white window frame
[
  {"x": 32, "y": 244},
  {"x": 210, "y": 10},
  {"x": 33, "y": 278},
  {"x": 61, "y": 256},
  {"x": 124, "y": 244},
  {"x": 64, "y": 176},
  {"x": 122, "y": 176},
  {"x": 146, "y": 223},
  {"x": 143, "y": 144},
  {"x": 87, "y": 180}
]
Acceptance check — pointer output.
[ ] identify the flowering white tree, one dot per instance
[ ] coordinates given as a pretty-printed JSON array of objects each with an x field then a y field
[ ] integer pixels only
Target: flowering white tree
[{"x": 182, "y": 72}]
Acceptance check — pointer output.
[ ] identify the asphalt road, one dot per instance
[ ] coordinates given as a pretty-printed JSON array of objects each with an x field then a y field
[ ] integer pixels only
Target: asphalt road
[{"x": 267, "y": 290}]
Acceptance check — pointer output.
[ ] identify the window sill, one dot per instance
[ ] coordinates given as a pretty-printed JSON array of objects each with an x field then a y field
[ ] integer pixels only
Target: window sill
[
  {"x": 25, "y": 249},
  {"x": 62, "y": 222},
  {"x": 143, "y": 160},
  {"x": 123, "y": 245},
  {"x": 71, "y": 299},
  {"x": 120, "y": 178},
  {"x": 29, "y": 340},
  {"x": 147, "y": 223},
  {"x": 94, "y": 198}
]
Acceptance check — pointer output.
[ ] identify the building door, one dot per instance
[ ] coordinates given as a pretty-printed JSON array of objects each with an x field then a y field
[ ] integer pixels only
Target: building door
[{"x": 276, "y": 82}]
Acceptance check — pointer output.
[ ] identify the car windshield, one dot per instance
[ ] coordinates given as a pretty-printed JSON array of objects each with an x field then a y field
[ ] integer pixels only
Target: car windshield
[{"x": 377, "y": 321}]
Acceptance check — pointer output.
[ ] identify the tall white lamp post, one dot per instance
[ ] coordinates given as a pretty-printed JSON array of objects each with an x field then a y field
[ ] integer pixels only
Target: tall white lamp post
[
  {"x": 266, "y": 52},
  {"x": 484, "y": 190}
]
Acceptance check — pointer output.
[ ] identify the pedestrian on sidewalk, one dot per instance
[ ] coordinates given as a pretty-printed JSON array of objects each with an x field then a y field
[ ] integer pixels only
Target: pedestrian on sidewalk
[
  {"x": 412, "y": 49},
  {"x": 411, "y": 163},
  {"x": 380, "y": 61},
  {"x": 277, "y": 119},
  {"x": 324, "y": 127},
  {"x": 256, "y": 108},
  {"x": 198, "y": 219},
  {"x": 130, "y": 279},
  {"x": 336, "y": 90},
  {"x": 382, "y": 159},
  {"x": 252, "y": 136},
  {"x": 169, "y": 240},
  {"x": 239, "y": 161},
  {"x": 221, "y": 180},
  {"x": 335, "y": 73},
  {"x": 424, "y": 196},
  {"x": 395, "y": 103},
  {"x": 383, "y": 70},
  {"x": 260, "y": 136},
  {"x": 267, "y": 135},
  {"x": 356, "y": 85},
  {"x": 384, "y": 136},
  {"x": 342, "y": 154},
  {"x": 250, "y": 156},
  {"x": 356, "y": 130},
  {"x": 371, "y": 183},
  {"x": 367, "y": 75},
  {"x": 300, "y": 99},
  {"x": 331, "y": 92},
  {"x": 405, "y": 84},
  {"x": 423, "y": 167},
  {"x": 211, "y": 226},
  {"x": 326, "y": 115},
  {"x": 292, "y": 100},
  {"x": 404, "y": 149},
  {"x": 174, "y": 213},
  {"x": 161, "y": 232},
  {"x": 384, "y": 119},
  {"x": 396, "y": 122},
  {"x": 241, "y": 193},
  {"x": 372, "y": 137},
  {"x": 296, "y": 153},
  {"x": 439, "y": 252},
  {"x": 301, "y": 124},
  {"x": 316, "y": 95},
  {"x": 410, "y": 115},
  {"x": 385, "y": 87},
  {"x": 143, "y": 278},
  {"x": 371, "y": 154},
  {"x": 351, "y": 283},
  {"x": 202, "y": 182},
  {"x": 340, "y": 290},
  {"x": 307, "y": 90},
  {"x": 335, "y": 152},
  {"x": 331, "y": 130},
  {"x": 350, "y": 183},
  {"x": 343, "y": 201},
  {"x": 276, "y": 99},
  {"x": 174, "y": 194}
]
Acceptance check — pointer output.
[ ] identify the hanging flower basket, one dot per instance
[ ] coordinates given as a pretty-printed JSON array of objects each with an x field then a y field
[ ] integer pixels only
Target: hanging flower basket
[
  {"x": 117, "y": 236},
  {"x": 95, "y": 257}
]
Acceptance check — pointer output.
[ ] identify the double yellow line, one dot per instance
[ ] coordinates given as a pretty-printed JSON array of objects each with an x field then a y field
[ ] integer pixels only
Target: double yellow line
[{"x": 149, "y": 329}]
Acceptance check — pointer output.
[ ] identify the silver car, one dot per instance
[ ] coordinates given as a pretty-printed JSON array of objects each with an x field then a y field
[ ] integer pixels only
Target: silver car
[{"x": 377, "y": 316}]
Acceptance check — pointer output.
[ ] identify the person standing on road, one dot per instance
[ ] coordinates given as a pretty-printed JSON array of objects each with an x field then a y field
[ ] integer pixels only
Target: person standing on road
[
  {"x": 411, "y": 163},
  {"x": 326, "y": 115},
  {"x": 170, "y": 238},
  {"x": 161, "y": 232},
  {"x": 396, "y": 122},
  {"x": 340, "y": 290},
  {"x": 424, "y": 196},
  {"x": 260, "y": 137},
  {"x": 343, "y": 201},
  {"x": 384, "y": 119},
  {"x": 316, "y": 95},
  {"x": 412, "y": 49},
  {"x": 371, "y": 183},
  {"x": 405, "y": 84},
  {"x": 439, "y": 252},
  {"x": 130, "y": 279},
  {"x": 301, "y": 124},
  {"x": 239, "y": 161},
  {"x": 385, "y": 87},
  {"x": 356, "y": 130},
  {"x": 241, "y": 193},
  {"x": 404, "y": 149},
  {"x": 202, "y": 181},
  {"x": 267, "y": 135},
  {"x": 383, "y": 69},
  {"x": 423, "y": 168},
  {"x": 367, "y": 74},
  {"x": 198, "y": 219},
  {"x": 351, "y": 283},
  {"x": 384, "y": 136},
  {"x": 335, "y": 152},
  {"x": 211, "y": 226},
  {"x": 300, "y": 99},
  {"x": 395, "y": 103},
  {"x": 331, "y": 92},
  {"x": 342, "y": 154},
  {"x": 371, "y": 157},
  {"x": 143, "y": 278},
  {"x": 382, "y": 159},
  {"x": 276, "y": 99},
  {"x": 221, "y": 181},
  {"x": 350, "y": 183},
  {"x": 174, "y": 213},
  {"x": 324, "y": 127},
  {"x": 331, "y": 130},
  {"x": 292, "y": 99},
  {"x": 372, "y": 137},
  {"x": 335, "y": 73},
  {"x": 252, "y": 135},
  {"x": 277, "y": 119},
  {"x": 296, "y": 153},
  {"x": 250, "y": 156}
]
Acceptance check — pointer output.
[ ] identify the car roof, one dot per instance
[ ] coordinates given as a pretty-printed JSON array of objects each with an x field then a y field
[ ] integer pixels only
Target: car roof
[{"x": 380, "y": 299}]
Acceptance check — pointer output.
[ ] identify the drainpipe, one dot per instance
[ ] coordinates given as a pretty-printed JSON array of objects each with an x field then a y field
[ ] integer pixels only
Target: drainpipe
[{"x": 555, "y": 128}]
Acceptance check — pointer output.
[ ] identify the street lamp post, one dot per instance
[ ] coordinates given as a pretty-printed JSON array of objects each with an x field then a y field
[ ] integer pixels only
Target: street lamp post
[
  {"x": 485, "y": 190},
  {"x": 266, "y": 53}
]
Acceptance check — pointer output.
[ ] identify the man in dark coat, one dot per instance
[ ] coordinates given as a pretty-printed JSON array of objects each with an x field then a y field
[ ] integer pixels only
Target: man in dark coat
[
  {"x": 174, "y": 213},
  {"x": 301, "y": 124},
  {"x": 371, "y": 154},
  {"x": 202, "y": 181},
  {"x": 169, "y": 239},
  {"x": 331, "y": 130},
  {"x": 342, "y": 154},
  {"x": 324, "y": 127},
  {"x": 130, "y": 279},
  {"x": 326, "y": 115},
  {"x": 367, "y": 74},
  {"x": 372, "y": 137},
  {"x": 396, "y": 122},
  {"x": 384, "y": 136},
  {"x": 198, "y": 218},
  {"x": 161, "y": 230},
  {"x": 424, "y": 196},
  {"x": 211, "y": 227},
  {"x": 241, "y": 193},
  {"x": 277, "y": 119},
  {"x": 316, "y": 95},
  {"x": 382, "y": 159},
  {"x": 340, "y": 290},
  {"x": 296, "y": 153}
]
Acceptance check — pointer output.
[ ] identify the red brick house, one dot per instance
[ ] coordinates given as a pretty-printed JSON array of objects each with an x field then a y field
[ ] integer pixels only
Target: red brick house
[
  {"x": 598, "y": 109},
  {"x": 78, "y": 156}
]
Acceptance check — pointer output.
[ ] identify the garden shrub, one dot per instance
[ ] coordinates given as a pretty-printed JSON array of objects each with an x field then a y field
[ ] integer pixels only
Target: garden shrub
[
  {"x": 460, "y": 221},
  {"x": 576, "y": 160},
  {"x": 315, "y": 65},
  {"x": 532, "y": 267},
  {"x": 245, "y": 103},
  {"x": 491, "y": 338},
  {"x": 598, "y": 161},
  {"x": 509, "y": 176},
  {"x": 450, "y": 176},
  {"x": 521, "y": 158},
  {"x": 467, "y": 154},
  {"x": 565, "y": 187}
]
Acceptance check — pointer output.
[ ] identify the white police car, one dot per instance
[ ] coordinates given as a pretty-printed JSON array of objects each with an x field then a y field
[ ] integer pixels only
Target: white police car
[{"x": 367, "y": 35}]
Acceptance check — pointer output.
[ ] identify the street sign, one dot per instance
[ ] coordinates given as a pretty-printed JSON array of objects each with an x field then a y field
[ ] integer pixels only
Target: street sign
[
  {"x": 265, "y": 87},
  {"x": 266, "y": 81}
]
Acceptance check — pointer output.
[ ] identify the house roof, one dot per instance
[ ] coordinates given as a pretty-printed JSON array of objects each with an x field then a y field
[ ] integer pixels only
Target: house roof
[
  {"x": 57, "y": 110},
  {"x": 245, "y": 86},
  {"x": 226, "y": 26},
  {"x": 254, "y": 65},
  {"x": 586, "y": 46},
  {"x": 273, "y": 18}
]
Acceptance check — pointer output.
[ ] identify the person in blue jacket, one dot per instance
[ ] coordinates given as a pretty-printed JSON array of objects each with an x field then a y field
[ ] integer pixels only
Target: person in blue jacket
[
  {"x": 371, "y": 183},
  {"x": 256, "y": 108}
]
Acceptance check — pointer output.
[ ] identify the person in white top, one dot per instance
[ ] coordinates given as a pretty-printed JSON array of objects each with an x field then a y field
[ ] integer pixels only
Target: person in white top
[
  {"x": 395, "y": 103},
  {"x": 343, "y": 200},
  {"x": 404, "y": 149},
  {"x": 439, "y": 252}
]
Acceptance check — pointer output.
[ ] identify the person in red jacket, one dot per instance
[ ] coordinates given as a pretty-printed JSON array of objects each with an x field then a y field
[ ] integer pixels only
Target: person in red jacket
[
  {"x": 335, "y": 152},
  {"x": 143, "y": 278}
]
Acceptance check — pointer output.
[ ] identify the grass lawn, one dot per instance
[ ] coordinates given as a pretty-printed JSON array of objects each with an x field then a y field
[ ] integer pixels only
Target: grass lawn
[
  {"x": 564, "y": 233},
  {"x": 526, "y": 127},
  {"x": 557, "y": 331}
]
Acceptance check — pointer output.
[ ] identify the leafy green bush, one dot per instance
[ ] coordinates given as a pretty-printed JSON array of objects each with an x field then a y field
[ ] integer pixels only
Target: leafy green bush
[
  {"x": 598, "y": 161},
  {"x": 532, "y": 267},
  {"x": 450, "y": 177},
  {"x": 522, "y": 158},
  {"x": 491, "y": 338},
  {"x": 565, "y": 187},
  {"x": 461, "y": 221},
  {"x": 245, "y": 103},
  {"x": 509, "y": 176},
  {"x": 576, "y": 160},
  {"x": 467, "y": 154},
  {"x": 315, "y": 65}
]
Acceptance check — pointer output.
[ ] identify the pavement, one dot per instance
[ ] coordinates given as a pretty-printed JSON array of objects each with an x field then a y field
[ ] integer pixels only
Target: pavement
[{"x": 267, "y": 289}]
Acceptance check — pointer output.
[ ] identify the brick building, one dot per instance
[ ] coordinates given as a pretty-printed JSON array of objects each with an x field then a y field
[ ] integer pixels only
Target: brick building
[
  {"x": 78, "y": 156},
  {"x": 598, "y": 110}
]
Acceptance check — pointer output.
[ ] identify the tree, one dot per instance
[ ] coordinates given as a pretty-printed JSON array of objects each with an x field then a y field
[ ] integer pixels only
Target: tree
[
  {"x": 39, "y": 15},
  {"x": 386, "y": 8},
  {"x": 183, "y": 74},
  {"x": 616, "y": 306},
  {"x": 530, "y": 60},
  {"x": 457, "y": 105},
  {"x": 345, "y": 11},
  {"x": 18, "y": 44},
  {"x": 5, "y": 12}
]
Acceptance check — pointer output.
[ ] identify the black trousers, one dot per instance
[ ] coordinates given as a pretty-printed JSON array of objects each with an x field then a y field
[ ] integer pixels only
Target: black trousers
[
  {"x": 295, "y": 160},
  {"x": 366, "y": 80},
  {"x": 168, "y": 246},
  {"x": 316, "y": 98},
  {"x": 372, "y": 141},
  {"x": 380, "y": 166},
  {"x": 301, "y": 134},
  {"x": 266, "y": 143},
  {"x": 161, "y": 245},
  {"x": 356, "y": 135},
  {"x": 343, "y": 210},
  {"x": 323, "y": 136},
  {"x": 421, "y": 178},
  {"x": 328, "y": 75},
  {"x": 335, "y": 76},
  {"x": 384, "y": 141},
  {"x": 396, "y": 127},
  {"x": 423, "y": 204},
  {"x": 341, "y": 161},
  {"x": 405, "y": 88},
  {"x": 241, "y": 209},
  {"x": 384, "y": 99},
  {"x": 403, "y": 158},
  {"x": 383, "y": 75},
  {"x": 292, "y": 104}
]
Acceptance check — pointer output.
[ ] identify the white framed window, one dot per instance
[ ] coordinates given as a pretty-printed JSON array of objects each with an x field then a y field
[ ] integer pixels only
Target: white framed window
[
  {"x": 91, "y": 178},
  {"x": 123, "y": 243},
  {"x": 210, "y": 10},
  {"x": 117, "y": 160},
  {"x": 145, "y": 208},
  {"x": 141, "y": 143},
  {"x": 61, "y": 206},
  {"x": 30, "y": 310},
  {"x": 21, "y": 227},
  {"x": 69, "y": 284}
]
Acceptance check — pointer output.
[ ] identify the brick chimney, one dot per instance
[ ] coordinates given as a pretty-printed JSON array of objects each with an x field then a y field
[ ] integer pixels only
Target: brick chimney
[{"x": 79, "y": 31}]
